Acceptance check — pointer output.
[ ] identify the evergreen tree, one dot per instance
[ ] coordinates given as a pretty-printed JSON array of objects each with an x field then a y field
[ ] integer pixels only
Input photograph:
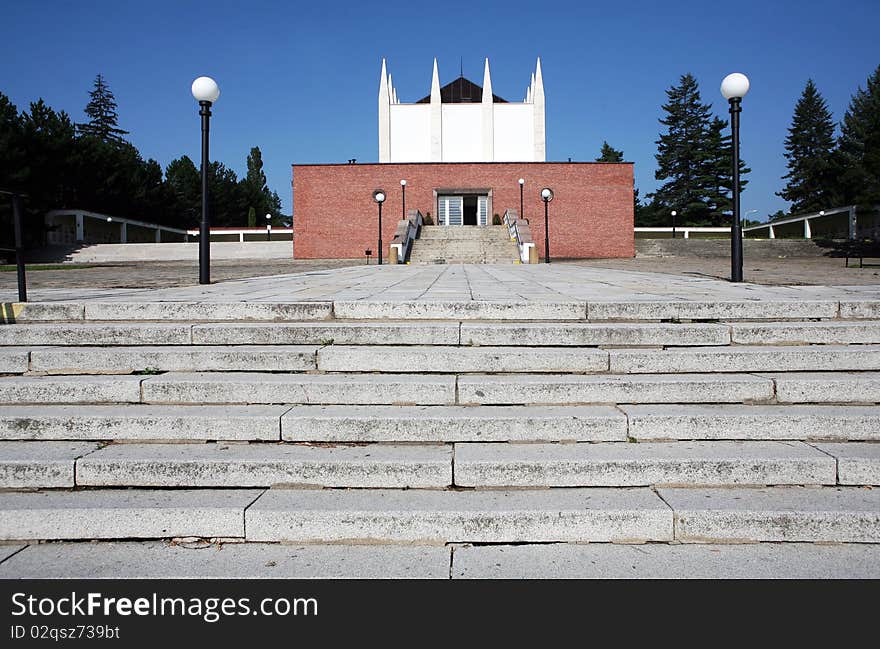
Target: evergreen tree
[
  {"x": 183, "y": 187},
  {"x": 684, "y": 160},
  {"x": 808, "y": 149},
  {"x": 255, "y": 189},
  {"x": 12, "y": 154},
  {"x": 857, "y": 158},
  {"x": 609, "y": 154},
  {"x": 252, "y": 217},
  {"x": 103, "y": 121}
]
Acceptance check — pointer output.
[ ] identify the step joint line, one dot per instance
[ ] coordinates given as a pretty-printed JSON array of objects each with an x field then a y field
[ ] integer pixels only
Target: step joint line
[
  {"x": 834, "y": 457},
  {"x": 21, "y": 549},
  {"x": 244, "y": 513},
  {"x": 672, "y": 510}
]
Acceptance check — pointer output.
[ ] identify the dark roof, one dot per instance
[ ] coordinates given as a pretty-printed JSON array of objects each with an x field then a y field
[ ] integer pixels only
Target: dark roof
[{"x": 461, "y": 91}]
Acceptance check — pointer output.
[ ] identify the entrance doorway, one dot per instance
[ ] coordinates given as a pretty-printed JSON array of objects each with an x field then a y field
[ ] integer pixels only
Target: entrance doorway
[{"x": 463, "y": 209}]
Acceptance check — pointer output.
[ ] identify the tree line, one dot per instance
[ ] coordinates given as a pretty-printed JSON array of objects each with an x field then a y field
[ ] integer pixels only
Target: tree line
[
  {"x": 91, "y": 166},
  {"x": 694, "y": 158}
]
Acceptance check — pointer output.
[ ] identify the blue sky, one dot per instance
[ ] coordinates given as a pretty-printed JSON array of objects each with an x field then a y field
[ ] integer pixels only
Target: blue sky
[{"x": 300, "y": 79}]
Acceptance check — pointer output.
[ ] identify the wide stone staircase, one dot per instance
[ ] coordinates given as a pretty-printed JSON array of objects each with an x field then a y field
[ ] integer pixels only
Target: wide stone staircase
[
  {"x": 464, "y": 245},
  {"x": 462, "y": 439}
]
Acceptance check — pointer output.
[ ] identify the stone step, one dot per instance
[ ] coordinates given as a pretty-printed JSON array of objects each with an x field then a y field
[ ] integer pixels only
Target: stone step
[
  {"x": 14, "y": 360},
  {"x": 857, "y": 463},
  {"x": 70, "y": 389},
  {"x": 567, "y": 389},
  {"x": 530, "y": 334},
  {"x": 340, "y": 358},
  {"x": 162, "y": 560},
  {"x": 823, "y": 514},
  {"x": 618, "y": 464},
  {"x": 171, "y": 311},
  {"x": 758, "y": 309},
  {"x": 420, "y": 516},
  {"x": 35, "y": 465},
  {"x": 457, "y": 310},
  {"x": 124, "y": 514},
  {"x": 757, "y": 422},
  {"x": 92, "y": 333},
  {"x": 812, "y": 358},
  {"x": 805, "y": 333},
  {"x": 190, "y": 358},
  {"x": 611, "y": 561},
  {"x": 252, "y": 387},
  {"x": 827, "y": 387},
  {"x": 454, "y": 423},
  {"x": 141, "y": 422},
  {"x": 263, "y": 465}
]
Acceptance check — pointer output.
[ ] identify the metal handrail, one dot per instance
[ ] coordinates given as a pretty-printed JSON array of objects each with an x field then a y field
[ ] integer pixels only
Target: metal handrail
[
  {"x": 407, "y": 231},
  {"x": 19, "y": 248},
  {"x": 522, "y": 238}
]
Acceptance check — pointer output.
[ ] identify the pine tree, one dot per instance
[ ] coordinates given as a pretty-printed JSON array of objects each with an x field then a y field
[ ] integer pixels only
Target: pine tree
[
  {"x": 252, "y": 217},
  {"x": 808, "y": 149},
  {"x": 684, "y": 158},
  {"x": 857, "y": 158},
  {"x": 103, "y": 121},
  {"x": 609, "y": 154}
]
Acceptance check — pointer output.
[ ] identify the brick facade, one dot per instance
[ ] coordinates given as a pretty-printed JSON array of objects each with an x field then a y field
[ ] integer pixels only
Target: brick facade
[{"x": 591, "y": 215}]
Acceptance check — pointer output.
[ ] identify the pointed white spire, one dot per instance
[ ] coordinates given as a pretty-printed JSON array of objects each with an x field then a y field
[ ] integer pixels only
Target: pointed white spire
[
  {"x": 539, "y": 80},
  {"x": 384, "y": 116},
  {"x": 383, "y": 82},
  {"x": 539, "y": 112},
  {"x": 487, "y": 84},
  {"x": 435, "y": 84},
  {"x": 436, "y": 117}
]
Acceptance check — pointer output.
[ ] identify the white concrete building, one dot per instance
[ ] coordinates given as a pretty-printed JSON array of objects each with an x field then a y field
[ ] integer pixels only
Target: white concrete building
[{"x": 462, "y": 122}]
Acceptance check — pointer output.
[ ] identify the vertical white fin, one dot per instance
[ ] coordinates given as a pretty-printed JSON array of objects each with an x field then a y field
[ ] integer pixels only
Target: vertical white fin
[
  {"x": 384, "y": 116},
  {"x": 436, "y": 117}
]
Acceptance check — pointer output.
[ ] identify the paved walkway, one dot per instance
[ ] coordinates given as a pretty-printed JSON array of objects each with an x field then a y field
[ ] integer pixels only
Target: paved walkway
[{"x": 456, "y": 283}]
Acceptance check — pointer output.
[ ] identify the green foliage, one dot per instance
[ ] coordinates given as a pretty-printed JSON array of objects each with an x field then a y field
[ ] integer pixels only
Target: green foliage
[
  {"x": 496, "y": 219},
  {"x": 808, "y": 149},
  {"x": 90, "y": 166},
  {"x": 252, "y": 217},
  {"x": 609, "y": 154},
  {"x": 695, "y": 159},
  {"x": 103, "y": 120},
  {"x": 856, "y": 162}
]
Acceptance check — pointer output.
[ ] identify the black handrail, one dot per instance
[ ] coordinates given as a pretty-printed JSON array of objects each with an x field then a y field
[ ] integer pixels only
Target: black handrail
[{"x": 19, "y": 248}]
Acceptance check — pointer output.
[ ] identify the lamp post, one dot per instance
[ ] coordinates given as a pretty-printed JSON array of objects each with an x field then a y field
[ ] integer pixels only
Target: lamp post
[
  {"x": 403, "y": 192},
  {"x": 734, "y": 87},
  {"x": 522, "y": 181},
  {"x": 268, "y": 227},
  {"x": 546, "y": 196},
  {"x": 674, "y": 214},
  {"x": 379, "y": 197},
  {"x": 205, "y": 91}
]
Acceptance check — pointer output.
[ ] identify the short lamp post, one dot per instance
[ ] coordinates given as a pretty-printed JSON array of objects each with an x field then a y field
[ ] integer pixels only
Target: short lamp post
[
  {"x": 379, "y": 197},
  {"x": 205, "y": 91},
  {"x": 546, "y": 196},
  {"x": 674, "y": 214},
  {"x": 403, "y": 202},
  {"x": 268, "y": 227},
  {"x": 522, "y": 181},
  {"x": 734, "y": 87}
]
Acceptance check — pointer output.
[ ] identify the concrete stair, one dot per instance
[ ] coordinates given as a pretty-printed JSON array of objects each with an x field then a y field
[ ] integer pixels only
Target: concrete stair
[
  {"x": 432, "y": 436},
  {"x": 464, "y": 245}
]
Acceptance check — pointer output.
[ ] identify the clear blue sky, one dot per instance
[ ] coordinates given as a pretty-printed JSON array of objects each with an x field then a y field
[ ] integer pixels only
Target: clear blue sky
[{"x": 300, "y": 79}]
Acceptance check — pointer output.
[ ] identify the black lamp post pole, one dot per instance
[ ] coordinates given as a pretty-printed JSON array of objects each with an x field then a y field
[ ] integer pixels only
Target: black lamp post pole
[
  {"x": 673, "y": 224},
  {"x": 403, "y": 209},
  {"x": 546, "y": 233},
  {"x": 205, "y": 228},
  {"x": 521, "y": 215},
  {"x": 19, "y": 248},
  {"x": 380, "y": 235},
  {"x": 736, "y": 260}
]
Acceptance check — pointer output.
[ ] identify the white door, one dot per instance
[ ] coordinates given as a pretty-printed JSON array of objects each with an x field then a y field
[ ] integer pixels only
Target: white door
[
  {"x": 450, "y": 210},
  {"x": 482, "y": 210}
]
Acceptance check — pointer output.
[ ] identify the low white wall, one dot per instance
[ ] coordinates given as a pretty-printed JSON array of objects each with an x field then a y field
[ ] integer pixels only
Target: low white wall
[{"x": 110, "y": 252}]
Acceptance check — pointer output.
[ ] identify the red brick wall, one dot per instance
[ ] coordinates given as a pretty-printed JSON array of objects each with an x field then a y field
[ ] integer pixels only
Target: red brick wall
[{"x": 591, "y": 215}]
